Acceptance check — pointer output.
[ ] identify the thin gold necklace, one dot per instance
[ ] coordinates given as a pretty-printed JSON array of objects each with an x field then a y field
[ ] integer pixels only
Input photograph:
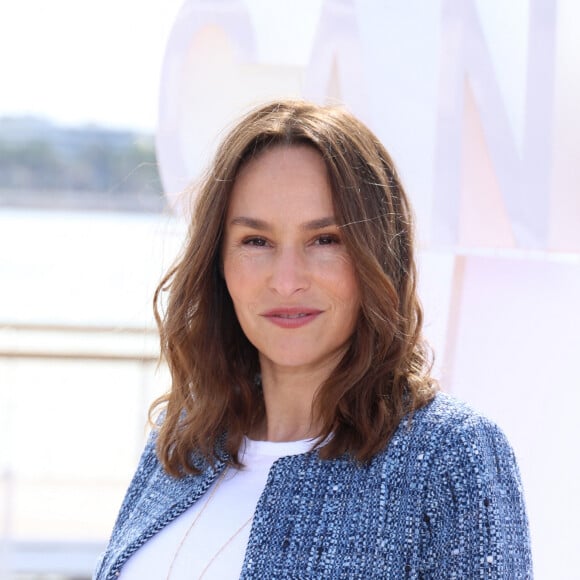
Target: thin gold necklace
[
  {"x": 230, "y": 539},
  {"x": 192, "y": 525}
]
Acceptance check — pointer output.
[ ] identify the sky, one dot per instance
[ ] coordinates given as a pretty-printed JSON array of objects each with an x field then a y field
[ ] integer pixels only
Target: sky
[{"x": 80, "y": 62}]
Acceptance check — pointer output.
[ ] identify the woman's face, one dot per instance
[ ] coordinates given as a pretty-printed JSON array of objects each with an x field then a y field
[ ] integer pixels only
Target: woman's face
[{"x": 291, "y": 280}]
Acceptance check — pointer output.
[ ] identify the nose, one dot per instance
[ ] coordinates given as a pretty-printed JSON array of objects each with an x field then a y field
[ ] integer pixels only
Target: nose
[{"x": 290, "y": 272}]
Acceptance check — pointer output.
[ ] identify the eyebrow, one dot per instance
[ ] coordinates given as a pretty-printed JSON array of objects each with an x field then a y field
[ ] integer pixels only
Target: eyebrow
[{"x": 258, "y": 224}]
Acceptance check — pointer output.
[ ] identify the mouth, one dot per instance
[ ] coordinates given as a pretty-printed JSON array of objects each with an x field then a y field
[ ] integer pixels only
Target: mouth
[
  {"x": 298, "y": 315},
  {"x": 291, "y": 317}
]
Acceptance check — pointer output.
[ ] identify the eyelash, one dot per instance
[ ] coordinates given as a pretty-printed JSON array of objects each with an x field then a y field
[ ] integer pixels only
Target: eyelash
[
  {"x": 322, "y": 240},
  {"x": 327, "y": 240},
  {"x": 254, "y": 241}
]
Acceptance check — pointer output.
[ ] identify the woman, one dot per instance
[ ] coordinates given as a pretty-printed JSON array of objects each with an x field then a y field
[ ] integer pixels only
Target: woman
[{"x": 303, "y": 436}]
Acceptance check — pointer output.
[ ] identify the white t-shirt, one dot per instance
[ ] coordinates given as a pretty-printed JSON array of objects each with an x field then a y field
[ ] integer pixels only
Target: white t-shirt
[{"x": 215, "y": 544}]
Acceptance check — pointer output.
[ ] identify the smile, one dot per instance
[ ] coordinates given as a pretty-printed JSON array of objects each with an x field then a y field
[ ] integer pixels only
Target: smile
[{"x": 291, "y": 317}]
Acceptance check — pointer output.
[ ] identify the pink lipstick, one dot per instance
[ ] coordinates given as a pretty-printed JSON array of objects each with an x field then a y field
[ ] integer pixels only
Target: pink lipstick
[{"x": 294, "y": 317}]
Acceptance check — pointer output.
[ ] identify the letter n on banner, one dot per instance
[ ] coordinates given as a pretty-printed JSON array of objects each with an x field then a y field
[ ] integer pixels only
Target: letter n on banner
[{"x": 522, "y": 173}]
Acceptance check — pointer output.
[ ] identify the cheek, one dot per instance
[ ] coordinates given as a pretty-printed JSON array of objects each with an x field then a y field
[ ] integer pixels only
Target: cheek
[
  {"x": 240, "y": 279},
  {"x": 234, "y": 283},
  {"x": 350, "y": 295},
  {"x": 340, "y": 278},
  {"x": 239, "y": 264}
]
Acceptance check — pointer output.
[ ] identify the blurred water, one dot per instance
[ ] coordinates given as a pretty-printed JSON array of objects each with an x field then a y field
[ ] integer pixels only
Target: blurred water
[
  {"x": 83, "y": 268},
  {"x": 73, "y": 402}
]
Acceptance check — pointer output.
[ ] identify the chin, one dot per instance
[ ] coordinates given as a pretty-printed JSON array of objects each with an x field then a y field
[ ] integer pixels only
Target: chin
[{"x": 297, "y": 360}]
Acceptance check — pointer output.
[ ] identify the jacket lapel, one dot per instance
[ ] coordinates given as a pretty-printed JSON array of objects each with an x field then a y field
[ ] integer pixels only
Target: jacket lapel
[{"x": 162, "y": 500}]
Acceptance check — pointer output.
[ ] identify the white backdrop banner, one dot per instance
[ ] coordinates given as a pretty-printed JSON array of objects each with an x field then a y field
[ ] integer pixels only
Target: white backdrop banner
[{"x": 477, "y": 100}]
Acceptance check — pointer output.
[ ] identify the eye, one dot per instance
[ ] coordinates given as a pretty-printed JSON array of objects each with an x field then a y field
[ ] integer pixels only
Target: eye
[
  {"x": 327, "y": 240},
  {"x": 255, "y": 241}
]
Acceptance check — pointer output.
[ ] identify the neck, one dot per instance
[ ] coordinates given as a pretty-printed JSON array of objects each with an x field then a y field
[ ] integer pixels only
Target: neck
[{"x": 288, "y": 399}]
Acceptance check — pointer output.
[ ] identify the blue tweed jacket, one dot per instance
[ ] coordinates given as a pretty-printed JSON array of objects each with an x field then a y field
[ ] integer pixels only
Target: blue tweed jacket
[{"x": 442, "y": 501}]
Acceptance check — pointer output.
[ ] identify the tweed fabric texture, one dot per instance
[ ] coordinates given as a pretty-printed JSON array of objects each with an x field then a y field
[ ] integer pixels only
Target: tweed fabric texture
[{"x": 442, "y": 501}]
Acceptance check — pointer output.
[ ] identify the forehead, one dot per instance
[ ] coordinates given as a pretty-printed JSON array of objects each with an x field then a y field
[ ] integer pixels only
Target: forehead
[
  {"x": 303, "y": 156},
  {"x": 283, "y": 176}
]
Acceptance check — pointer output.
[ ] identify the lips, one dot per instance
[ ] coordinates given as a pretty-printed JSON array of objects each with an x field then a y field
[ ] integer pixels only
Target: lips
[{"x": 291, "y": 317}]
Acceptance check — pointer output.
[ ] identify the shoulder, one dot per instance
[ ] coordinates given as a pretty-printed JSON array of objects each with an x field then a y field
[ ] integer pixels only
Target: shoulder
[
  {"x": 467, "y": 484},
  {"x": 146, "y": 469},
  {"x": 445, "y": 411},
  {"x": 459, "y": 457},
  {"x": 448, "y": 444},
  {"x": 450, "y": 424}
]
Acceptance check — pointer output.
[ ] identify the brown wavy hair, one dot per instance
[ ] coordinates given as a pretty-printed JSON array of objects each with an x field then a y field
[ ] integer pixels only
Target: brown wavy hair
[{"x": 215, "y": 398}]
